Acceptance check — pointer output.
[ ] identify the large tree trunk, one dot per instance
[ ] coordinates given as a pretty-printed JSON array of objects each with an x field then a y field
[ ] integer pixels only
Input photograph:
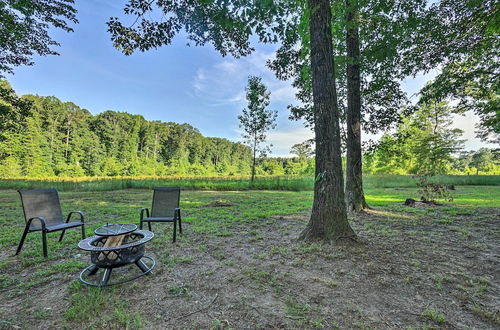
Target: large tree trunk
[
  {"x": 328, "y": 217},
  {"x": 355, "y": 197}
]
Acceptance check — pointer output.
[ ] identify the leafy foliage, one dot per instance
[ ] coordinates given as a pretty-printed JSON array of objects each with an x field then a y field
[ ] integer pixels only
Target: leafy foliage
[
  {"x": 303, "y": 150},
  {"x": 431, "y": 192},
  {"x": 226, "y": 24},
  {"x": 433, "y": 139},
  {"x": 256, "y": 119},
  {"x": 484, "y": 160},
  {"x": 385, "y": 30},
  {"x": 462, "y": 37},
  {"x": 43, "y": 136},
  {"x": 424, "y": 143},
  {"x": 24, "y": 29}
]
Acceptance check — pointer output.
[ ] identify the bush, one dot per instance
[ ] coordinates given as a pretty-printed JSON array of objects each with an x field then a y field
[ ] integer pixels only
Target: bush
[{"x": 431, "y": 192}]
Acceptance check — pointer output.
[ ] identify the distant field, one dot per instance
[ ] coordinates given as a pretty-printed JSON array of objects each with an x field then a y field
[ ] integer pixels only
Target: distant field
[{"x": 229, "y": 183}]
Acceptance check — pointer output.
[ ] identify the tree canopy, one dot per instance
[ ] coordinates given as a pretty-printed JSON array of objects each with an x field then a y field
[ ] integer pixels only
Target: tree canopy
[
  {"x": 24, "y": 29},
  {"x": 256, "y": 119},
  {"x": 385, "y": 30},
  {"x": 226, "y": 24},
  {"x": 462, "y": 39}
]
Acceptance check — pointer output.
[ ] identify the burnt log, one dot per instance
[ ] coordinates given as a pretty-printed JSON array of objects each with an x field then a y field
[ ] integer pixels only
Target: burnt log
[{"x": 410, "y": 202}]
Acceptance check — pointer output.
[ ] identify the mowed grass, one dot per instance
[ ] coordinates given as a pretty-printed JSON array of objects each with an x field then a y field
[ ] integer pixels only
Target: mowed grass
[
  {"x": 21, "y": 276},
  {"x": 124, "y": 205},
  {"x": 229, "y": 183},
  {"x": 463, "y": 196},
  {"x": 117, "y": 206}
]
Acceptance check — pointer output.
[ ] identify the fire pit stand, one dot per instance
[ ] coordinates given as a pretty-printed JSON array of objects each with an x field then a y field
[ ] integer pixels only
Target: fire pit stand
[{"x": 116, "y": 245}]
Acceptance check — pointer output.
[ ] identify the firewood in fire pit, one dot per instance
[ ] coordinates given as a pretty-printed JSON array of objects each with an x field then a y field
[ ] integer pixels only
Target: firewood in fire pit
[{"x": 110, "y": 242}]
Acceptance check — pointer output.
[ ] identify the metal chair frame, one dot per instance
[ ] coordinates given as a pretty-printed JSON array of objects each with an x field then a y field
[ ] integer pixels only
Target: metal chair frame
[
  {"x": 43, "y": 223},
  {"x": 175, "y": 219}
]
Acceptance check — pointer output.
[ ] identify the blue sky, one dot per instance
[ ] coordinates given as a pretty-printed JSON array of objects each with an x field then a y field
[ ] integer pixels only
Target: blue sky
[{"x": 177, "y": 83}]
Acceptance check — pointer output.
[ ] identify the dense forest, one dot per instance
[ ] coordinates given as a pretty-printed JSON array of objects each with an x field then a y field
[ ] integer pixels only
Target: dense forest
[{"x": 42, "y": 136}]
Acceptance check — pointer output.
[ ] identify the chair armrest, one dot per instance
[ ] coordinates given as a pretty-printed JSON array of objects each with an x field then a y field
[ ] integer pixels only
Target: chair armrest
[
  {"x": 142, "y": 212},
  {"x": 41, "y": 219},
  {"x": 82, "y": 219},
  {"x": 177, "y": 213}
]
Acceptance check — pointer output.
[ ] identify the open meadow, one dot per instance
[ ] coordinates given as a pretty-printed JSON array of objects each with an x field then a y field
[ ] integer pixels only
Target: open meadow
[
  {"x": 336, "y": 164},
  {"x": 230, "y": 183},
  {"x": 240, "y": 266}
]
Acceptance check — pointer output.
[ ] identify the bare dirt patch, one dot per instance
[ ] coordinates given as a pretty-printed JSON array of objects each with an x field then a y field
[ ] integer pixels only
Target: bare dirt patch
[{"x": 219, "y": 203}]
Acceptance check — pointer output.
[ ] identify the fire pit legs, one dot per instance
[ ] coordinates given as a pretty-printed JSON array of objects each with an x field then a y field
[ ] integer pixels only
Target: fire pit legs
[
  {"x": 106, "y": 276},
  {"x": 92, "y": 270},
  {"x": 142, "y": 266}
]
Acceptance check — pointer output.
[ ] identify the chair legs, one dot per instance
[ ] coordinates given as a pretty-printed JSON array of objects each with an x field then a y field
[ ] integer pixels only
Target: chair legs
[
  {"x": 62, "y": 234},
  {"x": 44, "y": 239},
  {"x": 175, "y": 230},
  {"x": 175, "y": 227},
  {"x": 22, "y": 240},
  {"x": 44, "y": 242},
  {"x": 149, "y": 225}
]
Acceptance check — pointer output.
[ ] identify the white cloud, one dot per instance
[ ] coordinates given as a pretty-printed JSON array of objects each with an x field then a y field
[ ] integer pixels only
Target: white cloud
[
  {"x": 284, "y": 94},
  {"x": 224, "y": 82},
  {"x": 283, "y": 140},
  {"x": 198, "y": 80},
  {"x": 228, "y": 67},
  {"x": 468, "y": 123}
]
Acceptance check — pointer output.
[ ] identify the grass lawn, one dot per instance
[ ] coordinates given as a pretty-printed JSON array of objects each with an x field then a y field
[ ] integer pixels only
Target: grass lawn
[{"x": 241, "y": 266}]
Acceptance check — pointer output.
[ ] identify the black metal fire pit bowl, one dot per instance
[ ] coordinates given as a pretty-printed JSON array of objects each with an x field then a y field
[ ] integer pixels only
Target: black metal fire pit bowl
[{"x": 103, "y": 256}]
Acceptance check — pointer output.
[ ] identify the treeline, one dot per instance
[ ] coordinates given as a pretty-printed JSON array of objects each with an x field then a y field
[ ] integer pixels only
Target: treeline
[
  {"x": 43, "y": 137},
  {"x": 426, "y": 143}
]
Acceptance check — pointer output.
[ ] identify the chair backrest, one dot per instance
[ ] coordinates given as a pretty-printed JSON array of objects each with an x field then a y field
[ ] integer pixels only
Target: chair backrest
[
  {"x": 41, "y": 203},
  {"x": 165, "y": 201}
]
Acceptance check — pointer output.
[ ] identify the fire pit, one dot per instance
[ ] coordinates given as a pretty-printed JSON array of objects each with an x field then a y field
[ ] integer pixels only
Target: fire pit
[{"x": 116, "y": 245}]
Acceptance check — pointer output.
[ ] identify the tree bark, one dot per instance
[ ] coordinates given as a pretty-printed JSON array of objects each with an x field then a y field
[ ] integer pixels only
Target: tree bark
[
  {"x": 355, "y": 197},
  {"x": 155, "y": 147},
  {"x": 67, "y": 142},
  {"x": 253, "y": 160},
  {"x": 328, "y": 218}
]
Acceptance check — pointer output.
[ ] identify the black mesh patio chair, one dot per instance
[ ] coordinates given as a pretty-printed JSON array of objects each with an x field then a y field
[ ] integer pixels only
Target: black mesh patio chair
[
  {"x": 165, "y": 208},
  {"x": 42, "y": 212}
]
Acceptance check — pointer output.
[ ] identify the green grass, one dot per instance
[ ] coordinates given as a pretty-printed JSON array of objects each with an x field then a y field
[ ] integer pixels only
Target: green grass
[
  {"x": 291, "y": 183},
  {"x": 250, "y": 212},
  {"x": 465, "y": 198},
  {"x": 248, "y": 206},
  {"x": 87, "y": 302},
  {"x": 189, "y": 183},
  {"x": 434, "y": 315},
  {"x": 401, "y": 181}
]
